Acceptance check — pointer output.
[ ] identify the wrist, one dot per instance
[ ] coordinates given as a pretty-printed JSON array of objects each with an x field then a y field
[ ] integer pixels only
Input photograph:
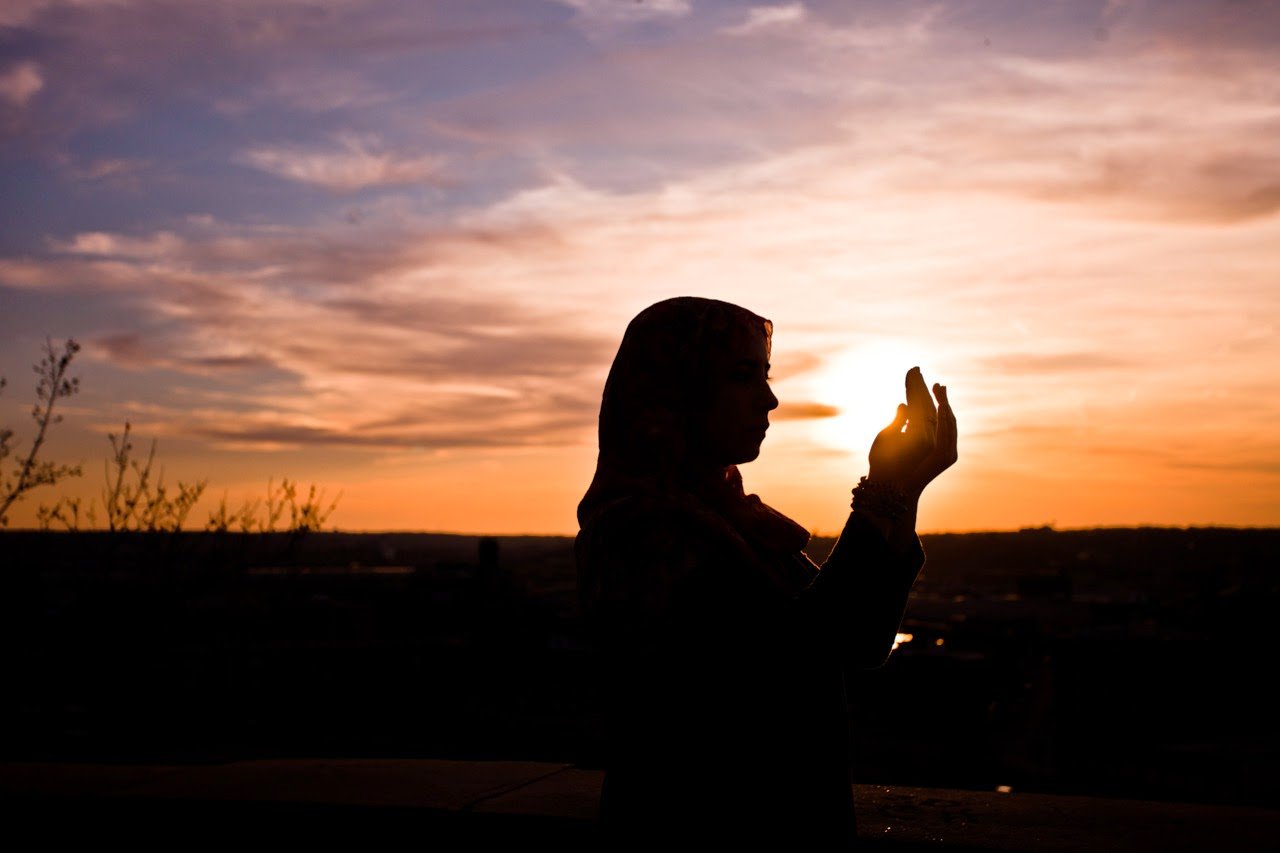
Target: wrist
[
  {"x": 882, "y": 499},
  {"x": 905, "y": 483},
  {"x": 887, "y": 508}
]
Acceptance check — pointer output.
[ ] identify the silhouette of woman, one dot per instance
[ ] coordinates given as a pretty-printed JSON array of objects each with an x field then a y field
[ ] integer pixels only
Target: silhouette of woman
[{"x": 722, "y": 646}]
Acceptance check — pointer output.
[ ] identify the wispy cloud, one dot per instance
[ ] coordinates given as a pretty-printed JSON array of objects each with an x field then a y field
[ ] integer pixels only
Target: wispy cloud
[
  {"x": 628, "y": 11},
  {"x": 351, "y": 163},
  {"x": 350, "y": 358},
  {"x": 457, "y": 421},
  {"x": 138, "y": 352},
  {"x": 767, "y": 17}
]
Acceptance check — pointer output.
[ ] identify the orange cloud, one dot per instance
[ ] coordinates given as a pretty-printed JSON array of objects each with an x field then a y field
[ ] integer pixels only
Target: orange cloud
[{"x": 803, "y": 411}]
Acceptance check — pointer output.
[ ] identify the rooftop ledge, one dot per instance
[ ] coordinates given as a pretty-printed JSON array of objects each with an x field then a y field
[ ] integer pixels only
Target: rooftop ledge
[{"x": 525, "y": 802}]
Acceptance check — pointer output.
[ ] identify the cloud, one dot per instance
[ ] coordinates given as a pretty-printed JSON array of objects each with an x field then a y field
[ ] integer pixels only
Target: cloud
[
  {"x": 120, "y": 171},
  {"x": 19, "y": 83},
  {"x": 906, "y": 32},
  {"x": 895, "y": 88},
  {"x": 610, "y": 23},
  {"x": 791, "y": 363},
  {"x": 1040, "y": 364},
  {"x": 767, "y": 17},
  {"x": 120, "y": 246},
  {"x": 628, "y": 11},
  {"x": 138, "y": 352},
  {"x": 335, "y": 361},
  {"x": 354, "y": 163},
  {"x": 803, "y": 411},
  {"x": 127, "y": 349},
  {"x": 454, "y": 420},
  {"x": 378, "y": 414},
  {"x": 279, "y": 64},
  {"x": 1263, "y": 467},
  {"x": 317, "y": 90},
  {"x": 16, "y": 13}
]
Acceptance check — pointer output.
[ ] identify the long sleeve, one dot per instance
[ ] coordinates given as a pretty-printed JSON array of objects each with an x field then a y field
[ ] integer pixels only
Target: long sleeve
[
  {"x": 650, "y": 574},
  {"x": 860, "y": 594}
]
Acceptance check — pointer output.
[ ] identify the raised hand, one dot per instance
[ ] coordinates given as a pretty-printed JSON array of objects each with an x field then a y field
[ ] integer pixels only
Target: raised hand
[{"x": 920, "y": 443}]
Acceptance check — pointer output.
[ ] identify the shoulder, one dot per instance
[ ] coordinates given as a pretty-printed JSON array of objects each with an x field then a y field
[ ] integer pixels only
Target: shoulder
[
  {"x": 644, "y": 548},
  {"x": 644, "y": 529}
]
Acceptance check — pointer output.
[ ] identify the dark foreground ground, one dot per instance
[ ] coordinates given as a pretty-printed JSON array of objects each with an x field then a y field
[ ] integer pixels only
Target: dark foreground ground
[
  {"x": 1133, "y": 664},
  {"x": 529, "y": 805}
]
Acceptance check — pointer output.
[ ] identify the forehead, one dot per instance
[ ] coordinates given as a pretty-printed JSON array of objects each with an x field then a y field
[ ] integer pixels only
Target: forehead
[{"x": 745, "y": 343}]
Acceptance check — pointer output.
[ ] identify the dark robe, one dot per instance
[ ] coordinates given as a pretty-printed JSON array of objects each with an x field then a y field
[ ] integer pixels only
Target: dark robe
[{"x": 722, "y": 662}]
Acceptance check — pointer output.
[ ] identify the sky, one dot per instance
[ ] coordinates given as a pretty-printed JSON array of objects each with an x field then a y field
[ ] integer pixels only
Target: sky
[{"x": 390, "y": 247}]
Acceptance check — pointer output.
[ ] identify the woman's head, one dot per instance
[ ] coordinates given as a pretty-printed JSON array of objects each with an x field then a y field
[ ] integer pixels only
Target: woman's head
[
  {"x": 688, "y": 390},
  {"x": 686, "y": 401}
]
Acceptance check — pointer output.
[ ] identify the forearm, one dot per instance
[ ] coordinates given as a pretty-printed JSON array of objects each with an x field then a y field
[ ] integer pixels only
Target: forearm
[
  {"x": 860, "y": 594},
  {"x": 900, "y": 532}
]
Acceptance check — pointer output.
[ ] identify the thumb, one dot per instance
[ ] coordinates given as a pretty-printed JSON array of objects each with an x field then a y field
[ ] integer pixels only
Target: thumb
[{"x": 899, "y": 419}]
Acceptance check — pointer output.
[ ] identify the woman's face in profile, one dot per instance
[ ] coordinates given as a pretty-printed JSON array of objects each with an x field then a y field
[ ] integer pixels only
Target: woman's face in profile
[{"x": 740, "y": 401}]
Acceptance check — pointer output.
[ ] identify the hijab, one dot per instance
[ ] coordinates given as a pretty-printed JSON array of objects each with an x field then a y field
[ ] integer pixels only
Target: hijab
[{"x": 651, "y": 414}]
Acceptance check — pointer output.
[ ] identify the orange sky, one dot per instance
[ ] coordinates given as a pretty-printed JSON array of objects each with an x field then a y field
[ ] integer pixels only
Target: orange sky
[{"x": 403, "y": 274}]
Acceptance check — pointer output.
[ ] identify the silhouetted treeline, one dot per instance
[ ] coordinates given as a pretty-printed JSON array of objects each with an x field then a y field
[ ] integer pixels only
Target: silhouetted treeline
[{"x": 1131, "y": 662}]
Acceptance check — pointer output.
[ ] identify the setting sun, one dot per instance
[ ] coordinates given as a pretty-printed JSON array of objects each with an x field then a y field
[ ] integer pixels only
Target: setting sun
[{"x": 865, "y": 383}]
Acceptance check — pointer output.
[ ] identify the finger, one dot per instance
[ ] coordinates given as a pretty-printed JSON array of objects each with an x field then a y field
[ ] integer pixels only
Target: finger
[
  {"x": 944, "y": 403},
  {"x": 919, "y": 402},
  {"x": 946, "y": 416},
  {"x": 921, "y": 412},
  {"x": 899, "y": 420},
  {"x": 946, "y": 424}
]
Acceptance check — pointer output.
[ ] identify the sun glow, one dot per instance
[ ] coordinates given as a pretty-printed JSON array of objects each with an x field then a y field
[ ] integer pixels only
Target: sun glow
[{"x": 866, "y": 383}]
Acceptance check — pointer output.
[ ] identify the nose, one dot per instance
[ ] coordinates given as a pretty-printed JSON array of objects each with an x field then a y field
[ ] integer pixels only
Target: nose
[{"x": 771, "y": 398}]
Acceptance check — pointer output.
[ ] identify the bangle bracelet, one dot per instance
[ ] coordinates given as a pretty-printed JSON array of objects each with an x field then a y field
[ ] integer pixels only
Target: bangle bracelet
[{"x": 878, "y": 499}]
